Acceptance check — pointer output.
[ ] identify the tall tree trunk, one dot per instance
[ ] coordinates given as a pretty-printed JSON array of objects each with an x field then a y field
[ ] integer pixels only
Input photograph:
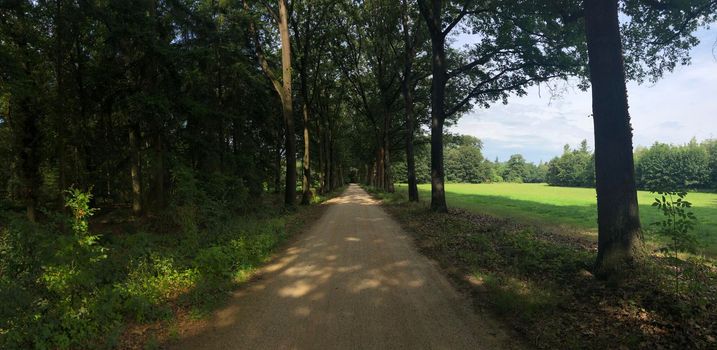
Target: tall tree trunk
[
  {"x": 410, "y": 156},
  {"x": 618, "y": 217},
  {"x": 158, "y": 190},
  {"x": 388, "y": 181},
  {"x": 306, "y": 179},
  {"x": 341, "y": 175},
  {"x": 60, "y": 101},
  {"x": 374, "y": 171},
  {"x": 434, "y": 20},
  {"x": 303, "y": 67},
  {"x": 407, "y": 91},
  {"x": 287, "y": 106},
  {"x": 135, "y": 169},
  {"x": 380, "y": 167},
  {"x": 329, "y": 162},
  {"x": 29, "y": 153},
  {"x": 334, "y": 165},
  {"x": 277, "y": 167},
  {"x": 369, "y": 174},
  {"x": 438, "y": 86},
  {"x": 322, "y": 157},
  {"x": 283, "y": 89}
]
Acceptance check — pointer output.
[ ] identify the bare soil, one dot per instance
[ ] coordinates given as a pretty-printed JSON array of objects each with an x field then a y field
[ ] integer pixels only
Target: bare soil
[{"x": 355, "y": 280}]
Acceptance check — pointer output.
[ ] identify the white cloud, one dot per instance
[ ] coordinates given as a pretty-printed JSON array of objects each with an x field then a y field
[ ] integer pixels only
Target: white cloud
[{"x": 680, "y": 106}]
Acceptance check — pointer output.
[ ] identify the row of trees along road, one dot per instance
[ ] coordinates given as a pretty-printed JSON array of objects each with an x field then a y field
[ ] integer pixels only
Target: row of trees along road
[{"x": 123, "y": 96}]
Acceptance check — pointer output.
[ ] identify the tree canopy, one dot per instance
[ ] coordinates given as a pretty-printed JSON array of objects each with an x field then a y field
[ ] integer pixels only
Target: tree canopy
[{"x": 162, "y": 112}]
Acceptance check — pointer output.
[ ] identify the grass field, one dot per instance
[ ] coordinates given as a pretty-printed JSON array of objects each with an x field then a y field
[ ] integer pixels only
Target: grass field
[{"x": 567, "y": 206}]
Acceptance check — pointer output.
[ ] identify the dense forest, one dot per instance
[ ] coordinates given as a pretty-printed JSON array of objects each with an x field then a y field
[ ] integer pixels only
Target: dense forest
[{"x": 185, "y": 123}]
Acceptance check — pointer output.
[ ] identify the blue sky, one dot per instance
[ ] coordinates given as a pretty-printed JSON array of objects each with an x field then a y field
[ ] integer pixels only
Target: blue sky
[{"x": 682, "y": 105}]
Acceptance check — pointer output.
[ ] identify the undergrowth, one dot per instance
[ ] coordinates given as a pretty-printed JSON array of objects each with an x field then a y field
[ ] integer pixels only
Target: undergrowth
[
  {"x": 540, "y": 283},
  {"x": 62, "y": 286}
]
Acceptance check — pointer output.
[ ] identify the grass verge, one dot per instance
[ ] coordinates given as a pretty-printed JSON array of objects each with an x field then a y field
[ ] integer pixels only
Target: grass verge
[
  {"x": 539, "y": 283},
  {"x": 131, "y": 285},
  {"x": 540, "y": 204}
]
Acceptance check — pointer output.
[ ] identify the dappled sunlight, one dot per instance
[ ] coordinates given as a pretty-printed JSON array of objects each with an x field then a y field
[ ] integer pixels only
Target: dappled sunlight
[
  {"x": 302, "y": 311},
  {"x": 297, "y": 289},
  {"x": 356, "y": 269},
  {"x": 416, "y": 283},
  {"x": 571, "y": 210},
  {"x": 346, "y": 269},
  {"x": 353, "y": 199},
  {"x": 369, "y": 219},
  {"x": 366, "y": 284},
  {"x": 291, "y": 255}
]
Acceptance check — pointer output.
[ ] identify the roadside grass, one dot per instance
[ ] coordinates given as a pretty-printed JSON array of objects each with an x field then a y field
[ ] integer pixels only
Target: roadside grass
[
  {"x": 538, "y": 281},
  {"x": 136, "y": 286},
  {"x": 569, "y": 207}
]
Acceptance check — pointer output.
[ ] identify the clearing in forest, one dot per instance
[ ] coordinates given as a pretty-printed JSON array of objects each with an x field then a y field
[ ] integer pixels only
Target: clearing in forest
[{"x": 571, "y": 207}]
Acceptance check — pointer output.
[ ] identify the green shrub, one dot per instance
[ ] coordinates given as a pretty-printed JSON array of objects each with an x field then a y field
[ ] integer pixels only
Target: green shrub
[
  {"x": 63, "y": 287},
  {"x": 215, "y": 262},
  {"x": 151, "y": 281},
  {"x": 51, "y": 282}
]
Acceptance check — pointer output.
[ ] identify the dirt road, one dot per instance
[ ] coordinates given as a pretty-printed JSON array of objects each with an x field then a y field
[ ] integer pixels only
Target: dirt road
[{"x": 354, "y": 281}]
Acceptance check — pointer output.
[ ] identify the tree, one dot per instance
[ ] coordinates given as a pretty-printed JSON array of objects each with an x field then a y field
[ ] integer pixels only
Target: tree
[
  {"x": 464, "y": 160},
  {"x": 517, "y": 49},
  {"x": 283, "y": 90},
  {"x": 711, "y": 147},
  {"x": 536, "y": 173},
  {"x": 665, "y": 168},
  {"x": 516, "y": 169},
  {"x": 657, "y": 35},
  {"x": 22, "y": 90},
  {"x": 309, "y": 26},
  {"x": 369, "y": 59},
  {"x": 411, "y": 40},
  {"x": 574, "y": 168},
  {"x": 618, "y": 213}
]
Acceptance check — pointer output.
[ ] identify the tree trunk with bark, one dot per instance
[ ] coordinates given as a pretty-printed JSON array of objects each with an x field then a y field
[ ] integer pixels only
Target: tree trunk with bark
[
  {"x": 618, "y": 216},
  {"x": 159, "y": 195},
  {"x": 135, "y": 169},
  {"x": 387, "y": 180},
  {"x": 306, "y": 178},
  {"x": 407, "y": 91},
  {"x": 287, "y": 105},
  {"x": 283, "y": 89},
  {"x": 322, "y": 157},
  {"x": 380, "y": 166},
  {"x": 28, "y": 144},
  {"x": 433, "y": 18},
  {"x": 410, "y": 154},
  {"x": 277, "y": 161}
]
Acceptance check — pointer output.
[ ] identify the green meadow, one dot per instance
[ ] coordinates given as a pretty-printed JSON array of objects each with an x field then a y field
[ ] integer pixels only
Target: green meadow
[{"x": 568, "y": 207}]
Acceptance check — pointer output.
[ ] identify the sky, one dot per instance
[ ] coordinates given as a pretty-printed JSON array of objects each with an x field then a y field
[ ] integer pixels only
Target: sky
[{"x": 680, "y": 106}]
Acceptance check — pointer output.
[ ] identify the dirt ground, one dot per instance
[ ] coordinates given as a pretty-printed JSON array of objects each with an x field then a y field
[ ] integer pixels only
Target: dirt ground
[{"x": 353, "y": 281}]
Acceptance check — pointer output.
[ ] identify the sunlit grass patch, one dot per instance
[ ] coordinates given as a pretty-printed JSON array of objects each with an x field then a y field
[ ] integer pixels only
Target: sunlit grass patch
[
  {"x": 521, "y": 298},
  {"x": 539, "y": 282},
  {"x": 569, "y": 208}
]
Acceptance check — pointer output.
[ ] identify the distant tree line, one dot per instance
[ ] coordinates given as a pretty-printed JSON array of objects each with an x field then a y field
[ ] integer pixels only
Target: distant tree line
[
  {"x": 465, "y": 163},
  {"x": 158, "y": 105},
  {"x": 664, "y": 166},
  {"x": 574, "y": 168},
  {"x": 660, "y": 166}
]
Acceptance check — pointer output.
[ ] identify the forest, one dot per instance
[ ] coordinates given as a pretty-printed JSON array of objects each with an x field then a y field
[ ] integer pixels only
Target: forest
[
  {"x": 156, "y": 152},
  {"x": 690, "y": 166}
]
